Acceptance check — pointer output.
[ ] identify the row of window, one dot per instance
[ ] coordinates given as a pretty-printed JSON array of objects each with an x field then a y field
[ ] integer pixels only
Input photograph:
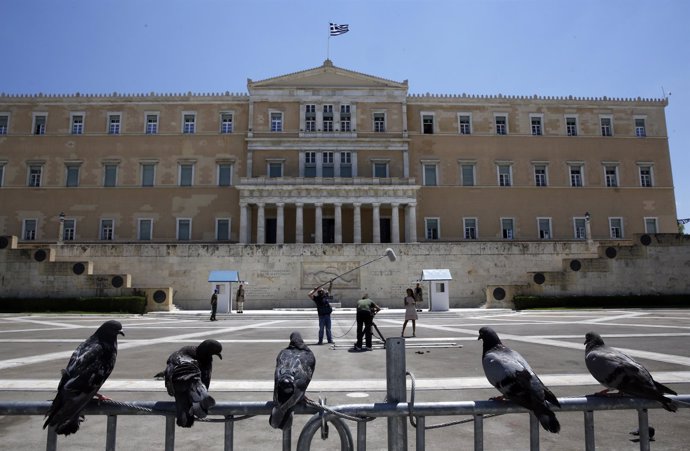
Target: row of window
[
  {"x": 327, "y": 120},
  {"x": 329, "y": 166},
  {"x": 432, "y": 228},
  {"x": 470, "y": 228}
]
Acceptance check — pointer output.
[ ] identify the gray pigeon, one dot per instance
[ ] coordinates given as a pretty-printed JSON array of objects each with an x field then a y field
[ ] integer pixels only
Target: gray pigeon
[
  {"x": 616, "y": 370},
  {"x": 188, "y": 377},
  {"x": 88, "y": 368},
  {"x": 294, "y": 369},
  {"x": 510, "y": 373}
]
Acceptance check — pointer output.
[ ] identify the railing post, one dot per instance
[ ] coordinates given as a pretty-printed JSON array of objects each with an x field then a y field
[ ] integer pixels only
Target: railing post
[
  {"x": 396, "y": 391},
  {"x": 362, "y": 436},
  {"x": 287, "y": 438},
  {"x": 229, "y": 433},
  {"x": 420, "y": 436},
  {"x": 589, "y": 430},
  {"x": 478, "y": 432},
  {"x": 643, "y": 423},
  {"x": 51, "y": 441},
  {"x": 533, "y": 432},
  {"x": 111, "y": 433},
  {"x": 170, "y": 433}
]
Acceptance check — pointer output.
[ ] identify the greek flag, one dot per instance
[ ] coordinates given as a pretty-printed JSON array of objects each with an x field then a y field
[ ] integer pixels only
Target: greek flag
[{"x": 339, "y": 29}]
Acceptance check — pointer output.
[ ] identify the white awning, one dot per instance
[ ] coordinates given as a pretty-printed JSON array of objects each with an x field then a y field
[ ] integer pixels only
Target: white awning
[{"x": 436, "y": 274}]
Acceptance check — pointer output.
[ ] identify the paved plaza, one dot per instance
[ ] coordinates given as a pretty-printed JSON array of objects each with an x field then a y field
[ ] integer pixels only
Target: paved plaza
[{"x": 445, "y": 358}]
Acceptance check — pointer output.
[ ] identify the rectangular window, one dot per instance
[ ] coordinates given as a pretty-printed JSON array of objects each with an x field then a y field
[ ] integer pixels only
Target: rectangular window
[
  {"x": 310, "y": 164},
  {"x": 69, "y": 230},
  {"x": 327, "y": 164},
  {"x": 328, "y": 118},
  {"x": 465, "y": 124},
  {"x": 186, "y": 174},
  {"x": 35, "y": 173},
  {"x": 540, "y": 175},
  {"x": 470, "y": 228},
  {"x": 39, "y": 127},
  {"x": 380, "y": 170},
  {"x": 571, "y": 125},
  {"x": 2, "y": 174},
  {"x": 345, "y": 118},
  {"x": 151, "y": 123},
  {"x": 114, "y": 120},
  {"x": 467, "y": 175},
  {"x": 77, "y": 121},
  {"x": 430, "y": 175},
  {"x": 346, "y": 164},
  {"x": 427, "y": 124},
  {"x": 224, "y": 174},
  {"x": 504, "y": 175},
  {"x": 184, "y": 229},
  {"x": 107, "y": 230},
  {"x": 275, "y": 169},
  {"x": 651, "y": 225},
  {"x": 501, "y": 124},
  {"x": 4, "y": 123},
  {"x": 226, "y": 123},
  {"x": 431, "y": 225},
  {"x": 72, "y": 177},
  {"x": 310, "y": 118},
  {"x": 145, "y": 229},
  {"x": 148, "y": 174},
  {"x": 536, "y": 122},
  {"x": 611, "y": 173},
  {"x": 222, "y": 229},
  {"x": 276, "y": 122},
  {"x": 110, "y": 174},
  {"x": 544, "y": 226},
  {"x": 507, "y": 228},
  {"x": 580, "y": 228},
  {"x": 646, "y": 176},
  {"x": 29, "y": 229},
  {"x": 379, "y": 122},
  {"x": 616, "y": 227},
  {"x": 188, "y": 123},
  {"x": 606, "y": 126},
  {"x": 640, "y": 128},
  {"x": 575, "y": 175}
]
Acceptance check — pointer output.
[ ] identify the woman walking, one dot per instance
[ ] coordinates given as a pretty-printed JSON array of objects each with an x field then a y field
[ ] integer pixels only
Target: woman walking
[{"x": 410, "y": 313}]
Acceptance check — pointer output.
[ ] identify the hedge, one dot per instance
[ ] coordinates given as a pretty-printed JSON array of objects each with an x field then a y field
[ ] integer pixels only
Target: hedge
[
  {"x": 120, "y": 304},
  {"x": 651, "y": 301}
]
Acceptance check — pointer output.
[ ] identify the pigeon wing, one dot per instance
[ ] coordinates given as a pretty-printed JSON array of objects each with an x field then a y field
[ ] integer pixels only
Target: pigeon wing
[{"x": 294, "y": 370}]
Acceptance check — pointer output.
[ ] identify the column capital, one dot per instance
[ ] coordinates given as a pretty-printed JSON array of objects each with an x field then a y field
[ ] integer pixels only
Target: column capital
[
  {"x": 299, "y": 204},
  {"x": 395, "y": 204},
  {"x": 357, "y": 204},
  {"x": 280, "y": 204},
  {"x": 318, "y": 204}
]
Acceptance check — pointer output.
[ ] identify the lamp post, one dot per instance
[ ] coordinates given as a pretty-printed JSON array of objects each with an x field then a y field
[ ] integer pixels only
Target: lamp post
[
  {"x": 588, "y": 228},
  {"x": 61, "y": 229}
]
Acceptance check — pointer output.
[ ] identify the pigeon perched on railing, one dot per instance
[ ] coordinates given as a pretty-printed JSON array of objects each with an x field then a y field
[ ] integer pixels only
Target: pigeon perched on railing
[
  {"x": 616, "y": 370},
  {"x": 294, "y": 369},
  {"x": 88, "y": 368},
  {"x": 510, "y": 373},
  {"x": 188, "y": 377}
]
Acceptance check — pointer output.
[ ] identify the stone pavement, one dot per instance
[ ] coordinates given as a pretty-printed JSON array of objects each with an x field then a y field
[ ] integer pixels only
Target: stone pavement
[{"x": 445, "y": 359}]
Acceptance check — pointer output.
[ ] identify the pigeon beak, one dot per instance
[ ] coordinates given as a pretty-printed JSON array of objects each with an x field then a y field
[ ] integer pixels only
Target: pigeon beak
[
  {"x": 121, "y": 333},
  {"x": 219, "y": 356}
]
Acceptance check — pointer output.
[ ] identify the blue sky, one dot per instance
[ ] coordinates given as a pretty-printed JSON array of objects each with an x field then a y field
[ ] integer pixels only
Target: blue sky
[{"x": 594, "y": 48}]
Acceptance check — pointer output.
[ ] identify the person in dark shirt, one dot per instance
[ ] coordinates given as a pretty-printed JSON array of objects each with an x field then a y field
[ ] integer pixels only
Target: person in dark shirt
[
  {"x": 366, "y": 309},
  {"x": 324, "y": 309},
  {"x": 214, "y": 304}
]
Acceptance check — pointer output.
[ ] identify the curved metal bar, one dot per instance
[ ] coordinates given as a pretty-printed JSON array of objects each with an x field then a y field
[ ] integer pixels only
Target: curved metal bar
[{"x": 314, "y": 424}]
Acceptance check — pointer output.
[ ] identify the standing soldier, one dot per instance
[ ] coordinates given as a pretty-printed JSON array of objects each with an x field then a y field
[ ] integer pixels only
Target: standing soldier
[
  {"x": 214, "y": 304},
  {"x": 239, "y": 298}
]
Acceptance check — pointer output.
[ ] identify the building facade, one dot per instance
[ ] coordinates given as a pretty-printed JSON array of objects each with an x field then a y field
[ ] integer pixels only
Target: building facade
[{"x": 329, "y": 155}]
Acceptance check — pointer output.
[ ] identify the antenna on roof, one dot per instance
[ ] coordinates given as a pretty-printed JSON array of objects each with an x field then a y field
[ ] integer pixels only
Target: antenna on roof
[{"x": 663, "y": 93}]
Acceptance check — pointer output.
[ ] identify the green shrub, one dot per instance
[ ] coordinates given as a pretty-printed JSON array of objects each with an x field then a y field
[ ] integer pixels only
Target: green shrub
[
  {"x": 651, "y": 301},
  {"x": 120, "y": 304}
]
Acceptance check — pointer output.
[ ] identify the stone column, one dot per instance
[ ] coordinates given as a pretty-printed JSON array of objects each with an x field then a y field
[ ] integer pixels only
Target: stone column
[
  {"x": 318, "y": 224},
  {"x": 299, "y": 223},
  {"x": 338, "y": 224},
  {"x": 280, "y": 224},
  {"x": 260, "y": 225},
  {"x": 395, "y": 224},
  {"x": 357, "y": 227},
  {"x": 411, "y": 222},
  {"x": 375, "y": 219},
  {"x": 243, "y": 238}
]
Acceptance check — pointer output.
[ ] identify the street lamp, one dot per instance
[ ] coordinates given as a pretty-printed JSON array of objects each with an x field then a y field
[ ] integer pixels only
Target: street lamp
[{"x": 61, "y": 229}]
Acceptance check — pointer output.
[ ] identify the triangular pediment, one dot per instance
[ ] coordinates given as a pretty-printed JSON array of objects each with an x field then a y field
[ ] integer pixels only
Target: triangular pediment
[{"x": 325, "y": 76}]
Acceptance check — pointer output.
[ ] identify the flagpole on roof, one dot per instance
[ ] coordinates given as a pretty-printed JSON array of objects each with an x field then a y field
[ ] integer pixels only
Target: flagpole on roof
[{"x": 328, "y": 46}]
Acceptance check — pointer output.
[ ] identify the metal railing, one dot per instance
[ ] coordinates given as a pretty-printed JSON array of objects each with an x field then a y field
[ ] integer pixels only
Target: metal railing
[{"x": 232, "y": 412}]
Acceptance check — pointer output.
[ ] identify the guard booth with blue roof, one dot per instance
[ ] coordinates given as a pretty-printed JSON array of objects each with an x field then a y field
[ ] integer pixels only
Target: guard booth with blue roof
[
  {"x": 222, "y": 281},
  {"x": 438, "y": 288}
]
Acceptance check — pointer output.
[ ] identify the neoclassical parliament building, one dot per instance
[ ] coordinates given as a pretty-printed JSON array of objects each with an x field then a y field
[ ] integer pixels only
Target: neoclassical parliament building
[{"x": 331, "y": 155}]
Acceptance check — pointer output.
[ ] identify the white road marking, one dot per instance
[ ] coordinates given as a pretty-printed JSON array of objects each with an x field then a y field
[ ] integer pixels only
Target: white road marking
[{"x": 21, "y": 319}]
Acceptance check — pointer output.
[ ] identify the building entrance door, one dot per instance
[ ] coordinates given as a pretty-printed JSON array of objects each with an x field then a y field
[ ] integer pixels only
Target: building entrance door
[
  {"x": 385, "y": 224},
  {"x": 328, "y": 230},
  {"x": 271, "y": 227}
]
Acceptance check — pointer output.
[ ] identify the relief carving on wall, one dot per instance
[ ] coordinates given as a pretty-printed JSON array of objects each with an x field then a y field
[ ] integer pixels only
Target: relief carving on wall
[{"x": 314, "y": 274}]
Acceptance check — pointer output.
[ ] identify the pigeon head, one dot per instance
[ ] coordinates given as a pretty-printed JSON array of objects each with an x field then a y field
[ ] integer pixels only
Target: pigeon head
[
  {"x": 593, "y": 339},
  {"x": 208, "y": 348},
  {"x": 109, "y": 330},
  {"x": 296, "y": 341},
  {"x": 490, "y": 338}
]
